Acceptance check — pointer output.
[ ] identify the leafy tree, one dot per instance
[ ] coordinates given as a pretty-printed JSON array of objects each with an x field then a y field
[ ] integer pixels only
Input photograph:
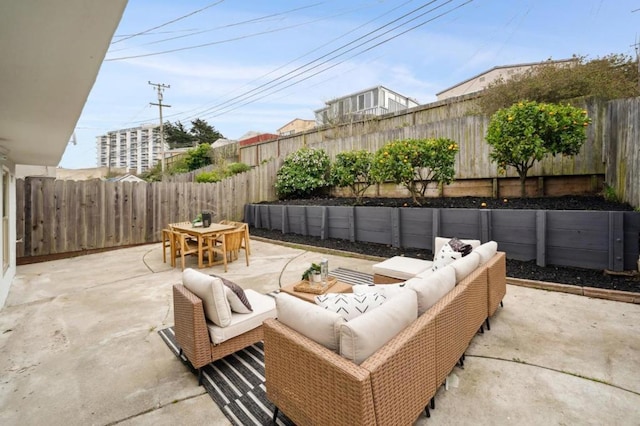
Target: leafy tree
[
  {"x": 353, "y": 169},
  {"x": 528, "y": 131},
  {"x": 177, "y": 136},
  {"x": 198, "y": 157},
  {"x": 203, "y": 132},
  {"x": 303, "y": 173},
  {"x": 416, "y": 162},
  {"x": 611, "y": 77}
]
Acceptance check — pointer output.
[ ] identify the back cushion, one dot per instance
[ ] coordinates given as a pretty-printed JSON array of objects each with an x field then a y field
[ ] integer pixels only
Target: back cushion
[
  {"x": 466, "y": 265},
  {"x": 487, "y": 251},
  {"x": 318, "y": 324},
  {"x": 211, "y": 291},
  {"x": 432, "y": 288},
  {"x": 363, "y": 336}
]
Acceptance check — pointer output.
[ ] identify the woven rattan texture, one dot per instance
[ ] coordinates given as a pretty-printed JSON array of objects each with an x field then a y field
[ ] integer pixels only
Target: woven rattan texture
[
  {"x": 311, "y": 384},
  {"x": 497, "y": 268}
]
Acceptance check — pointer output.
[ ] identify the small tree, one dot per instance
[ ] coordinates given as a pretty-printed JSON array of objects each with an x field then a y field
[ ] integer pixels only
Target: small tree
[
  {"x": 353, "y": 169},
  {"x": 303, "y": 173},
  {"x": 416, "y": 162},
  {"x": 528, "y": 131}
]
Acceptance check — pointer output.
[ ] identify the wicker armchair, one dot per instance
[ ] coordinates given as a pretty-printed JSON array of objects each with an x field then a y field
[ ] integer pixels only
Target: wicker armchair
[{"x": 192, "y": 335}]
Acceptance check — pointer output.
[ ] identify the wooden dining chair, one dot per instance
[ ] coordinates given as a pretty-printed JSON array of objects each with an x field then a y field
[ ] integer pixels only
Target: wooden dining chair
[
  {"x": 167, "y": 243},
  {"x": 228, "y": 245},
  {"x": 245, "y": 238},
  {"x": 183, "y": 246}
]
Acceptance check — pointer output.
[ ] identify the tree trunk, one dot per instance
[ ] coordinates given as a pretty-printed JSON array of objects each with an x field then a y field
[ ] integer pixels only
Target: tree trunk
[{"x": 523, "y": 180}]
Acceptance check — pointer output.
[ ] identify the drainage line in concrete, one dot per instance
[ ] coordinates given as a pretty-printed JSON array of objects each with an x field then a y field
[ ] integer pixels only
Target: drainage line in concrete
[
  {"x": 133, "y": 416},
  {"x": 555, "y": 370}
]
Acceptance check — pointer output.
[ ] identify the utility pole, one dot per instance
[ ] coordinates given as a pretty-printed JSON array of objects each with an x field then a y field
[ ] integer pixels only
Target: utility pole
[{"x": 160, "y": 87}]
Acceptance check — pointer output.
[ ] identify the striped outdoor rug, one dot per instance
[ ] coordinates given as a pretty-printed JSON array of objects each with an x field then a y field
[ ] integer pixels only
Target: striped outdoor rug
[{"x": 236, "y": 382}]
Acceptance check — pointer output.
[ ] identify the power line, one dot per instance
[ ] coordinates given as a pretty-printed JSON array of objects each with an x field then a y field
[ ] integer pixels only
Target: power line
[
  {"x": 169, "y": 22},
  {"x": 293, "y": 60},
  {"x": 281, "y": 80},
  {"x": 357, "y": 54}
]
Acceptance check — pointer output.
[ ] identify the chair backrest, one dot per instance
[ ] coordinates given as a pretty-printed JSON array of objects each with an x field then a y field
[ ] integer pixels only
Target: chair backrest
[
  {"x": 233, "y": 239},
  {"x": 181, "y": 241}
]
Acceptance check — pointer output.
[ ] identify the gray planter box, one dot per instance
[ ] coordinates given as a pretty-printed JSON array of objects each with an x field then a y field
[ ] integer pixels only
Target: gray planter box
[{"x": 575, "y": 238}]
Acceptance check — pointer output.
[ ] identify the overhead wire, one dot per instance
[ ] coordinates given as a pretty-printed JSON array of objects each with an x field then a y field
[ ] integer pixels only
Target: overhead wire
[
  {"x": 299, "y": 71},
  {"x": 173, "y": 21},
  {"x": 356, "y": 54},
  {"x": 300, "y": 57}
]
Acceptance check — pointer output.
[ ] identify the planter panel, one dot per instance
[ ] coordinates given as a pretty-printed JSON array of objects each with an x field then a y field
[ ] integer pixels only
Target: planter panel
[{"x": 373, "y": 224}]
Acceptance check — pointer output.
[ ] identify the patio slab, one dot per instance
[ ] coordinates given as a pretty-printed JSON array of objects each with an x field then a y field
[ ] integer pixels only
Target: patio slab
[{"x": 79, "y": 345}]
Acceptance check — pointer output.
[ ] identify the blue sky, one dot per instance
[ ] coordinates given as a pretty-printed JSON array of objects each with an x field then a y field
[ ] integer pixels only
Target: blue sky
[{"x": 246, "y": 65}]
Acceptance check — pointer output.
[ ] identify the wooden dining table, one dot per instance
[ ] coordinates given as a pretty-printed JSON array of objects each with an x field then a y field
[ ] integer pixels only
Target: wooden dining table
[{"x": 201, "y": 233}]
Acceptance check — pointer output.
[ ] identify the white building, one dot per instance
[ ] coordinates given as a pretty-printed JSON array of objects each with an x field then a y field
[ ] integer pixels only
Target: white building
[
  {"x": 480, "y": 82},
  {"x": 48, "y": 73},
  {"x": 369, "y": 102},
  {"x": 137, "y": 149}
]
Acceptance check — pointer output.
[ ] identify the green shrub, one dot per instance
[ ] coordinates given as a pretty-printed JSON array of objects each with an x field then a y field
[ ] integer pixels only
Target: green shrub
[
  {"x": 235, "y": 168},
  {"x": 528, "y": 131},
  {"x": 353, "y": 169},
  {"x": 303, "y": 173},
  {"x": 205, "y": 177},
  {"x": 414, "y": 163}
]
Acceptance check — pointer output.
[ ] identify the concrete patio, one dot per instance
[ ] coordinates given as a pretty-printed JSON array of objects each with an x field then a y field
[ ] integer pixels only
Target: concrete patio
[{"x": 79, "y": 345}]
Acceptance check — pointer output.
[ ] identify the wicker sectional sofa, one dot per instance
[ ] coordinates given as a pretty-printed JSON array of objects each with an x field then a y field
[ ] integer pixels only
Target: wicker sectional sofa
[{"x": 312, "y": 384}]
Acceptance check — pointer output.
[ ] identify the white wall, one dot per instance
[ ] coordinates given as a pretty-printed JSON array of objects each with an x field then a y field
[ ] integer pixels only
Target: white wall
[{"x": 8, "y": 275}]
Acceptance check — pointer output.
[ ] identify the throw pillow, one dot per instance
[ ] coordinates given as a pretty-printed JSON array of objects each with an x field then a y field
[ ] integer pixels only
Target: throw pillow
[
  {"x": 445, "y": 256},
  {"x": 460, "y": 246},
  {"x": 389, "y": 290},
  {"x": 235, "y": 294},
  {"x": 350, "y": 305},
  {"x": 211, "y": 291},
  {"x": 465, "y": 266}
]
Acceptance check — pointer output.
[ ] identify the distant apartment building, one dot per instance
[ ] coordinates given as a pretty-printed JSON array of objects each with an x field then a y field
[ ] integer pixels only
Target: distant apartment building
[
  {"x": 136, "y": 149},
  {"x": 369, "y": 102},
  {"x": 296, "y": 125},
  {"x": 481, "y": 81}
]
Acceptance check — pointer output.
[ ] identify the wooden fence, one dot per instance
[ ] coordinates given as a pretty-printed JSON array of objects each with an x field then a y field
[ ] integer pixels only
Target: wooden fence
[{"x": 61, "y": 216}]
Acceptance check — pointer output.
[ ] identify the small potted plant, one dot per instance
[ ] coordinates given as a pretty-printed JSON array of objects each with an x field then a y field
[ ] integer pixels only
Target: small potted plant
[{"x": 312, "y": 274}]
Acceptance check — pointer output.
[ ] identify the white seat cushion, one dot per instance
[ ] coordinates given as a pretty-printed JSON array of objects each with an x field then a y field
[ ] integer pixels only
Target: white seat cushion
[
  {"x": 211, "y": 291},
  {"x": 363, "y": 336},
  {"x": 401, "y": 267},
  {"x": 264, "y": 307},
  {"x": 430, "y": 289},
  {"x": 316, "y": 323},
  {"x": 487, "y": 251}
]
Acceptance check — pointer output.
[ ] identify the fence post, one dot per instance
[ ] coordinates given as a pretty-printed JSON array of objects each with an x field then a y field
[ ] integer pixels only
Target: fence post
[
  {"x": 324, "y": 230},
  {"x": 616, "y": 241},
  {"x": 285, "y": 220},
  {"x": 435, "y": 228},
  {"x": 485, "y": 225},
  {"x": 303, "y": 222},
  {"x": 541, "y": 238},
  {"x": 395, "y": 227},
  {"x": 352, "y": 224}
]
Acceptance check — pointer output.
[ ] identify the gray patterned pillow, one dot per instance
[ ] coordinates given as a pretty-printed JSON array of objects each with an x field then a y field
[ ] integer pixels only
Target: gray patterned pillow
[
  {"x": 350, "y": 305},
  {"x": 236, "y": 297},
  {"x": 460, "y": 246}
]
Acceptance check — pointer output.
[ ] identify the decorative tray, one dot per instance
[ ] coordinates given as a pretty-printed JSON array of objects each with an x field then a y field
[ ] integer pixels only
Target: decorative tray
[{"x": 315, "y": 288}]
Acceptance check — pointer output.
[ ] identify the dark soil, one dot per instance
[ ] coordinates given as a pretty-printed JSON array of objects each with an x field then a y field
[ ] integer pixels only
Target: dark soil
[{"x": 515, "y": 269}]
